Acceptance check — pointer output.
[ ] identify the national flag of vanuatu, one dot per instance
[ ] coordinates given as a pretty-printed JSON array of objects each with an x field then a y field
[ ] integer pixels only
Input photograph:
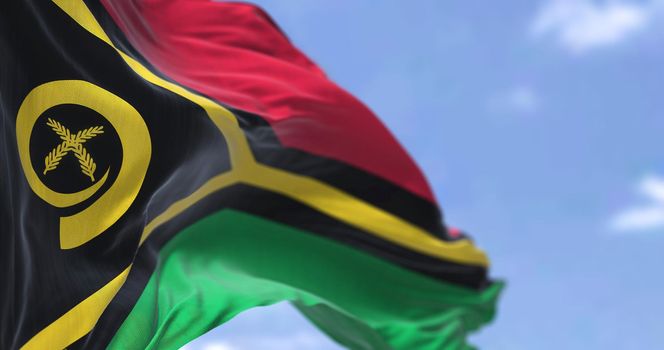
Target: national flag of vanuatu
[{"x": 167, "y": 164}]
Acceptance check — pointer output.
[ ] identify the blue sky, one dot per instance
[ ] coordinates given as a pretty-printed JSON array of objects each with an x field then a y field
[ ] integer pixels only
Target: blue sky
[{"x": 539, "y": 125}]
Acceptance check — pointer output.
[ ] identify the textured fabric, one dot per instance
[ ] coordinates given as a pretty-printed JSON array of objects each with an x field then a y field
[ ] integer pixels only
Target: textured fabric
[
  {"x": 234, "y": 53},
  {"x": 229, "y": 262},
  {"x": 141, "y": 147}
]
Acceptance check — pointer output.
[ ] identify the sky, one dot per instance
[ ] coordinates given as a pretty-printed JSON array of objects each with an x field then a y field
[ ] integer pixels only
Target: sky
[{"x": 539, "y": 125}]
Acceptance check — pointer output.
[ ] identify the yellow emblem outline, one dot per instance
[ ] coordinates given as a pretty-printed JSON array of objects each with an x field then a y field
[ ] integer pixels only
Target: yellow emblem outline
[{"x": 83, "y": 226}]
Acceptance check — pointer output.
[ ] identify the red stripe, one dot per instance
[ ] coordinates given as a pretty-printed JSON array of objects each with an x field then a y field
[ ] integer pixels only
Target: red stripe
[{"x": 234, "y": 53}]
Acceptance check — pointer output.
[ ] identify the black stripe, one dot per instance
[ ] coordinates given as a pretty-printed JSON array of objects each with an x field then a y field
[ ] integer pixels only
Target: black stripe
[
  {"x": 371, "y": 188},
  {"x": 280, "y": 209},
  {"x": 269, "y": 150}
]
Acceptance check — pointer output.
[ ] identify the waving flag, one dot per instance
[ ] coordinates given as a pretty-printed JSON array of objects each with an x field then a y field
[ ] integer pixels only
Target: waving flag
[{"x": 169, "y": 164}]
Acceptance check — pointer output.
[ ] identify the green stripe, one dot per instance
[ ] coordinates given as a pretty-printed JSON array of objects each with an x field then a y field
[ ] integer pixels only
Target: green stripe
[{"x": 231, "y": 261}]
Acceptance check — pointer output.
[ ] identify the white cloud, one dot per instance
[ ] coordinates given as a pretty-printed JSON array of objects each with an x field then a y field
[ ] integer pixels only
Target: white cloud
[
  {"x": 644, "y": 217},
  {"x": 520, "y": 99},
  {"x": 299, "y": 340},
  {"x": 653, "y": 187},
  {"x": 582, "y": 25},
  {"x": 302, "y": 340},
  {"x": 218, "y": 346}
]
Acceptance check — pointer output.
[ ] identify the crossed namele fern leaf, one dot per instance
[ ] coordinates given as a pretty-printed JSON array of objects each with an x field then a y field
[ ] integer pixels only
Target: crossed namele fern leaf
[
  {"x": 86, "y": 162},
  {"x": 73, "y": 143},
  {"x": 54, "y": 157}
]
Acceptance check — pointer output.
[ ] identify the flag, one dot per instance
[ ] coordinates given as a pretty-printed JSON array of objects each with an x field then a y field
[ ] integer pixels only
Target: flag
[{"x": 167, "y": 165}]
